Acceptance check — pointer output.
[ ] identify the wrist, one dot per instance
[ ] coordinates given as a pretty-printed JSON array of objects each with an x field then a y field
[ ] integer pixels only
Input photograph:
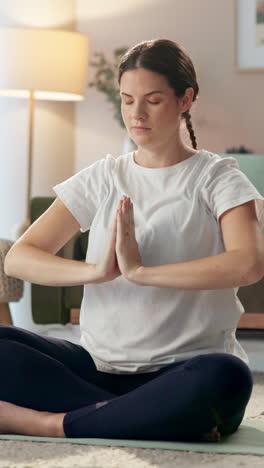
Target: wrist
[
  {"x": 97, "y": 273},
  {"x": 138, "y": 275}
]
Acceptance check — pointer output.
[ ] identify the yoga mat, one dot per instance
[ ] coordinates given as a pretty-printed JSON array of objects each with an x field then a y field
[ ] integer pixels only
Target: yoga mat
[{"x": 248, "y": 439}]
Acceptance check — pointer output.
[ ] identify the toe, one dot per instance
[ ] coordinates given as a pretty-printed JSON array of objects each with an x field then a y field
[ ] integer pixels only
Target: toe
[{"x": 213, "y": 436}]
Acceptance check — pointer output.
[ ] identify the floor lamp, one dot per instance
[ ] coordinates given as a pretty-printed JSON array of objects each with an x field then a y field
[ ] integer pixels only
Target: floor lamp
[{"x": 49, "y": 64}]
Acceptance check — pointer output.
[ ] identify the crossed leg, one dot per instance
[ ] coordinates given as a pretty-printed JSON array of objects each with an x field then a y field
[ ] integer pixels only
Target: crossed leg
[{"x": 183, "y": 402}]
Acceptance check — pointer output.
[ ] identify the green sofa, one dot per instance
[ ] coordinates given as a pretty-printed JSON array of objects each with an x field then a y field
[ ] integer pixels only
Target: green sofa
[{"x": 52, "y": 304}]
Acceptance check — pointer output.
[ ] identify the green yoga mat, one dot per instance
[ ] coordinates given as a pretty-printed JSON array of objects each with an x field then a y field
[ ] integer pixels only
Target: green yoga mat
[{"x": 248, "y": 439}]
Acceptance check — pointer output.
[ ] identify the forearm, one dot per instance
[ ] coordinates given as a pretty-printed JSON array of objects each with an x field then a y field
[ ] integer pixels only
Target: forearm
[
  {"x": 226, "y": 270},
  {"x": 31, "y": 264}
]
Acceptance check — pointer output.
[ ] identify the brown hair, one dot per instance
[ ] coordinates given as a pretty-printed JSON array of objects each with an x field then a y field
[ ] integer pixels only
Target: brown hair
[{"x": 170, "y": 60}]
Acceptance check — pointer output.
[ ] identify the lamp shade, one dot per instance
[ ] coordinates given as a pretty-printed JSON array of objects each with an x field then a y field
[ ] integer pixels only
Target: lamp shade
[{"x": 52, "y": 63}]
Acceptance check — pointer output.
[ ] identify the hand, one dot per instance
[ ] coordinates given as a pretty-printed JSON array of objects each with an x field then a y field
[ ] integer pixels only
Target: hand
[
  {"x": 108, "y": 268},
  {"x": 127, "y": 251}
]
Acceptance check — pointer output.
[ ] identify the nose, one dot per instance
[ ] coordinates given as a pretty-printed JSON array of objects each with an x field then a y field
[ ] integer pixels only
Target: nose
[{"x": 138, "y": 112}]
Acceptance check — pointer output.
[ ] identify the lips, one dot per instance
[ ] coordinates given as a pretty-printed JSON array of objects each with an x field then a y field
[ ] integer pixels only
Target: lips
[{"x": 140, "y": 129}]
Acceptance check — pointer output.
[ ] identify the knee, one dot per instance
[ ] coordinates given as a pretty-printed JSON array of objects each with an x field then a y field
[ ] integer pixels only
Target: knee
[
  {"x": 7, "y": 331},
  {"x": 7, "y": 350},
  {"x": 236, "y": 377},
  {"x": 237, "y": 369},
  {"x": 229, "y": 373}
]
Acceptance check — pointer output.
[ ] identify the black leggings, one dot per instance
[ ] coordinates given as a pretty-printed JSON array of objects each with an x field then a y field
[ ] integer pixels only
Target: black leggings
[{"x": 179, "y": 402}]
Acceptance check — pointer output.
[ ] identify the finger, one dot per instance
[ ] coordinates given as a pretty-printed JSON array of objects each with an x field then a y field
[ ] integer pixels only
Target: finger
[
  {"x": 131, "y": 214},
  {"x": 114, "y": 229},
  {"x": 127, "y": 216},
  {"x": 115, "y": 220},
  {"x": 119, "y": 222},
  {"x": 118, "y": 210},
  {"x": 120, "y": 227},
  {"x": 123, "y": 209},
  {"x": 124, "y": 205},
  {"x": 119, "y": 205}
]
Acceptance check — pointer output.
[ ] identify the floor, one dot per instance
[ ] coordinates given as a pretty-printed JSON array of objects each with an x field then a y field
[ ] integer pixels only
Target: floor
[{"x": 251, "y": 340}]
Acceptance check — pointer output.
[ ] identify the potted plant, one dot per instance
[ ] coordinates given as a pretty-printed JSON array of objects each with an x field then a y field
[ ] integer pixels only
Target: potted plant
[{"x": 105, "y": 81}]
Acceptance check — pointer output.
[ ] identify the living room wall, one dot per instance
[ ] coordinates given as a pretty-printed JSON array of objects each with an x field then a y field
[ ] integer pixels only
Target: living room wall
[
  {"x": 229, "y": 111},
  {"x": 53, "y": 140}
]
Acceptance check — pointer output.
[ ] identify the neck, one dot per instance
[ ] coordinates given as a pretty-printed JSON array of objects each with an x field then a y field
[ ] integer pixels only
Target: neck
[{"x": 160, "y": 157}]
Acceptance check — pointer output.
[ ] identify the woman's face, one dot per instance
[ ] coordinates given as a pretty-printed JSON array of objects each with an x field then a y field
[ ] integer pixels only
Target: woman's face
[{"x": 159, "y": 111}]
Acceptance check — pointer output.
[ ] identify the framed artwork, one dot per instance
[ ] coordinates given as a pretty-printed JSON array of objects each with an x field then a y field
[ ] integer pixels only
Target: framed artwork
[{"x": 249, "y": 32}]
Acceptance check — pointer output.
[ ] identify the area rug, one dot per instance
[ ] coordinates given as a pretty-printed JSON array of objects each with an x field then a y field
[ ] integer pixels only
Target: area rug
[{"x": 248, "y": 439}]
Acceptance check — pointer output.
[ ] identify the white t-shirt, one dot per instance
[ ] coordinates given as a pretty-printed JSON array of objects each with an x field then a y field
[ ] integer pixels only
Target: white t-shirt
[{"x": 129, "y": 328}]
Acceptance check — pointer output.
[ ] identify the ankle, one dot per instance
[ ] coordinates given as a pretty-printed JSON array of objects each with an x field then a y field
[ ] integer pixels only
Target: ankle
[{"x": 56, "y": 425}]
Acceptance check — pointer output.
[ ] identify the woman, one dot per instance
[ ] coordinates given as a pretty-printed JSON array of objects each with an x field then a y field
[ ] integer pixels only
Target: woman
[{"x": 158, "y": 357}]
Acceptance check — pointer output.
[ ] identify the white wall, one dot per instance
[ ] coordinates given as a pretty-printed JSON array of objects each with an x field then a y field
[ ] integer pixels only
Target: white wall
[
  {"x": 229, "y": 111},
  {"x": 53, "y": 150}
]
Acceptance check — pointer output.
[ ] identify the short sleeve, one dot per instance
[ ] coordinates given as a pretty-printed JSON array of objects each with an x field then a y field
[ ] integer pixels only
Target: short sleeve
[
  {"x": 226, "y": 186},
  {"x": 84, "y": 191}
]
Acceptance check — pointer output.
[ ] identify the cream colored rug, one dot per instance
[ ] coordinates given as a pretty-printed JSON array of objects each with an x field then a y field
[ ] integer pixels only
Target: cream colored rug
[{"x": 27, "y": 454}]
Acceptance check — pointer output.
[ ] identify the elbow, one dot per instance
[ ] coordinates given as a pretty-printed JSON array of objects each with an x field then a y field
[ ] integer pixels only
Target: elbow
[
  {"x": 256, "y": 272},
  {"x": 7, "y": 265}
]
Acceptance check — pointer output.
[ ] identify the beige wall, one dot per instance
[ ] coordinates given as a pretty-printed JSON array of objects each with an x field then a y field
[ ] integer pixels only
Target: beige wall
[
  {"x": 53, "y": 146},
  {"x": 53, "y": 137},
  {"x": 229, "y": 111}
]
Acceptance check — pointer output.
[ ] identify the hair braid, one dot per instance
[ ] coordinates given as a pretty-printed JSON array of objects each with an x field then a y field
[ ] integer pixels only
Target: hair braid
[
  {"x": 187, "y": 116},
  {"x": 169, "y": 59}
]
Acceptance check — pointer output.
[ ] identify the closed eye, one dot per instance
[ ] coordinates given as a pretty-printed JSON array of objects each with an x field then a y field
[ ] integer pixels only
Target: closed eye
[{"x": 149, "y": 102}]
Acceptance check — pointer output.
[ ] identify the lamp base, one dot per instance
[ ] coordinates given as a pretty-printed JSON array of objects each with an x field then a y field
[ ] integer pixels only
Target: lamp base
[{"x": 19, "y": 229}]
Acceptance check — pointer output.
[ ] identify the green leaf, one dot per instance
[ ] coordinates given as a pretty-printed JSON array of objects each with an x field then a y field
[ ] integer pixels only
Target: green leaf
[{"x": 106, "y": 80}]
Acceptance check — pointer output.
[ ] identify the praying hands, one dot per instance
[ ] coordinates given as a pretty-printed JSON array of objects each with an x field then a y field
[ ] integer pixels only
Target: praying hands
[
  {"x": 122, "y": 254},
  {"x": 127, "y": 251}
]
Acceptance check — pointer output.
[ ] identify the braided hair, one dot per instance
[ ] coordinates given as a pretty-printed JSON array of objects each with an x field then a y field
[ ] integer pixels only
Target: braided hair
[
  {"x": 187, "y": 116},
  {"x": 169, "y": 59}
]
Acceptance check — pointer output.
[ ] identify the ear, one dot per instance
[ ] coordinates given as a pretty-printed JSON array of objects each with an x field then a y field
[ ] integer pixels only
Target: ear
[{"x": 187, "y": 99}]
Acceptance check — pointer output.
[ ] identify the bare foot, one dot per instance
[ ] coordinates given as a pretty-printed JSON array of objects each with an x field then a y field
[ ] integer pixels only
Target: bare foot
[
  {"x": 213, "y": 436},
  {"x": 16, "y": 419}
]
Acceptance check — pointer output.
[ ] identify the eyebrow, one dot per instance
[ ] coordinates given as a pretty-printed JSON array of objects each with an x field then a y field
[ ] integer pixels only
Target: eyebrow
[{"x": 147, "y": 94}]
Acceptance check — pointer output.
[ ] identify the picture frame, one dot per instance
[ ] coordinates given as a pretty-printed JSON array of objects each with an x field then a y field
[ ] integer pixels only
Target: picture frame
[{"x": 249, "y": 35}]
